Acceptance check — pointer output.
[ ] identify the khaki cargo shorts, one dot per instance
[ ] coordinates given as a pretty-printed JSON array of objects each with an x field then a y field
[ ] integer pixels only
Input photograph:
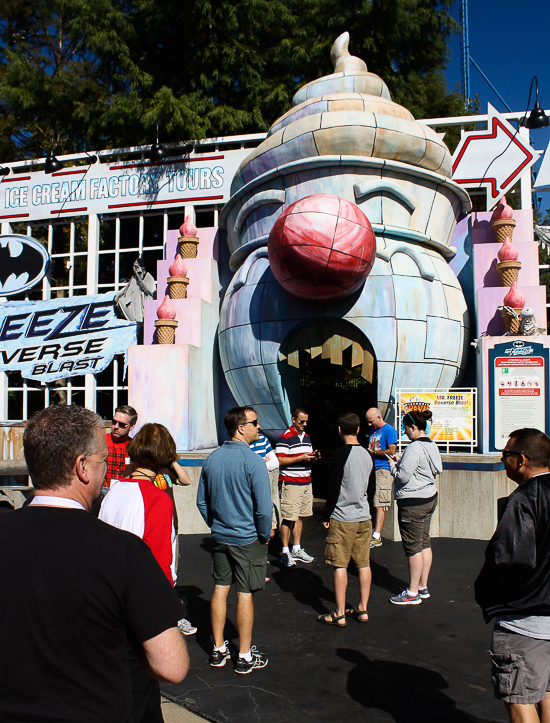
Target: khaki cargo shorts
[
  {"x": 383, "y": 494},
  {"x": 348, "y": 541},
  {"x": 296, "y": 501}
]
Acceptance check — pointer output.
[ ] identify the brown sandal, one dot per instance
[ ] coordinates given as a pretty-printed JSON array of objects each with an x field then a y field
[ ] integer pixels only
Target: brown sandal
[
  {"x": 358, "y": 615},
  {"x": 332, "y": 619}
]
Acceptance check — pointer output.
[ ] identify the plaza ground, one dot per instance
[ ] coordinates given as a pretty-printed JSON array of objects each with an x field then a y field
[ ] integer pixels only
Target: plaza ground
[{"x": 416, "y": 663}]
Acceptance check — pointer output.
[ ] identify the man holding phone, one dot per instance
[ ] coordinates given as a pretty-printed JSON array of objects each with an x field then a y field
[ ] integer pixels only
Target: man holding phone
[{"x": 295, "y": 454}]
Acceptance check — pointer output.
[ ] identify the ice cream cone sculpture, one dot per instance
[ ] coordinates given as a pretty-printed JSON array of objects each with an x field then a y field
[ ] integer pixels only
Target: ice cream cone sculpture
[
  {"x": 513, "y": 302},
  {"x": 166, "y": 323},
  {"x": 188, "y": 241},
  {"x": 178, "y": 281},
  {"x": 508, "y": 266},
  {"x": 502, "y": 222}
]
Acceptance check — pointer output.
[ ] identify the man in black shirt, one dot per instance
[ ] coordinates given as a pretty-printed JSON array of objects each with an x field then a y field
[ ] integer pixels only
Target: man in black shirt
[
  {"x": 76, "y": 591},
  {"x": 513, "y": 586}
]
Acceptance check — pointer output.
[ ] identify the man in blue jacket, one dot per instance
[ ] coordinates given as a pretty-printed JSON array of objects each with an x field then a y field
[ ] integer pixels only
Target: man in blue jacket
[
  {"x": 513, "y": 586},
  {"x": 234, "y": 499}
]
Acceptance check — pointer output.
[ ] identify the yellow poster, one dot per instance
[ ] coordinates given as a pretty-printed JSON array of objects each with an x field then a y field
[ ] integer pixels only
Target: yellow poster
[{"x": 453, "y": 413}]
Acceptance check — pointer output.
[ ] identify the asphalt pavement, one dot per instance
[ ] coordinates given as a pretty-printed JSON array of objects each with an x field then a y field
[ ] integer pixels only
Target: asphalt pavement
[{"x": 426, "y": 663}]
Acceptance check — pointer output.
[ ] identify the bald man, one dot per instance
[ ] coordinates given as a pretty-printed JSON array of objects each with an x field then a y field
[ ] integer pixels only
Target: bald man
[{"x": 382, "y": 441}]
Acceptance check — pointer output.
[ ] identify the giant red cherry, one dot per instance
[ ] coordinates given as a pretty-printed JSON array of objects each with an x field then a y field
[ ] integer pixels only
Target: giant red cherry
[{"x": 321, "y": 247}]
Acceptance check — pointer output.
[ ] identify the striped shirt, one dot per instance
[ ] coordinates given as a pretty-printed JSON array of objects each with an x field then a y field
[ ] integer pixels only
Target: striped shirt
[
  {"x": 262, "y": 446},
  {"x": 292, "y": 444}
]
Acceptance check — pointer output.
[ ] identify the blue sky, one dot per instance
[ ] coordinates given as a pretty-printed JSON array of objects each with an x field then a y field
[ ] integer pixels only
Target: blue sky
[{"x": 509, "y": 41}]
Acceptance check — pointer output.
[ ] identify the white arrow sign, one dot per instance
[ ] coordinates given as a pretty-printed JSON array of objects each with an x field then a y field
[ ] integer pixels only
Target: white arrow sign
[
  {"x": 493, "y": 159},
  {"x": 543, "y": 176}
]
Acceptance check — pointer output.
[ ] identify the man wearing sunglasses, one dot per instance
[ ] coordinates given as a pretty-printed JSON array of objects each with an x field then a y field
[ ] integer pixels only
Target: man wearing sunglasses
[
  {"x": 296, "y": 456},
  {"x": 124, "y": 421},
  {"x": 513, "y": 586},
  {"x": 234, "y": 499}
]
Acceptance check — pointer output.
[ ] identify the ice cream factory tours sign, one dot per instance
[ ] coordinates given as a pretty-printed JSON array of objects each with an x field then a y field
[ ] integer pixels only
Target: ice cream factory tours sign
[{"x": 112, "y": 187}]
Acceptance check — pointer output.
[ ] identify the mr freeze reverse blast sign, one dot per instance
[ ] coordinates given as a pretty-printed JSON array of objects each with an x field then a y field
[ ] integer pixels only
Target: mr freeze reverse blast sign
[{"x": 49, "y": 340}]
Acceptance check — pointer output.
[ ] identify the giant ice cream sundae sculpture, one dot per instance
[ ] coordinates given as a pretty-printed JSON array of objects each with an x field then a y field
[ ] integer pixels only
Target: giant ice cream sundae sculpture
[{"x": 339, "y": 227}]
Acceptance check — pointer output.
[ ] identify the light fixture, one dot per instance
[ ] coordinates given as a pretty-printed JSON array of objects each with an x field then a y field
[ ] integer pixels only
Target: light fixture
[
  {"x": 157, "y": 151},
  {"x": 52, "y": 164},
  {"x": 537, "y": 117}
]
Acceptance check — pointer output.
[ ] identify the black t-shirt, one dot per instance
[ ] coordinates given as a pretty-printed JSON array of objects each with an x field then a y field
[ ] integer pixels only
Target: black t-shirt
[{"x": 74, "y": 591}]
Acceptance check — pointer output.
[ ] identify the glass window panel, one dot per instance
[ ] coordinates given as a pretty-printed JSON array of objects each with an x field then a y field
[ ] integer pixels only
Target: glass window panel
[
  {"x": 153, "y": 230},
  {"x": 106, "y": 269},
  {"x": 59, "y": 271},
  {"x": 107, "y": 234},
  {"x": 36, "y": 401},
  {"x": 175, "y": 220},
  {"x": 15, "y": 404},
  {"x": 126, "y": 265},
  {"x": 205, "y": 219},
  {"x": 80, "y": 270},
  {"x": 129, "y": 232},
  {"x": 150, "y": 259},
  {"x": 60, "y": 239},
  {"x": 81, "y": 236}
]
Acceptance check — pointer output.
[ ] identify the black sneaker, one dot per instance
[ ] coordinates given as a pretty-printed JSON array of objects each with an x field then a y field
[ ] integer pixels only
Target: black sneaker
[
  {"x": 259, "y": 660},
  {"x": 219, "y": 659}
]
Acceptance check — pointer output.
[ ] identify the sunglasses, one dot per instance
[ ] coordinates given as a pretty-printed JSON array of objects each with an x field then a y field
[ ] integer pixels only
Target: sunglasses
[
  {"x": 252, "y": 421},
  {"x": 507, "y": 453},
  {"x": 122, "y": 425}
]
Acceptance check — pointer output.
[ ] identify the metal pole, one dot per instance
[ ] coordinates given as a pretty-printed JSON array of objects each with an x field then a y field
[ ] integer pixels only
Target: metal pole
[{"x": 465, "y": 51}]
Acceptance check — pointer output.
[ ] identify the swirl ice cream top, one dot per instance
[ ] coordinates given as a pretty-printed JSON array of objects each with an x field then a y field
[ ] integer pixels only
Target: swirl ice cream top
[{"x": 346, "y": 212}]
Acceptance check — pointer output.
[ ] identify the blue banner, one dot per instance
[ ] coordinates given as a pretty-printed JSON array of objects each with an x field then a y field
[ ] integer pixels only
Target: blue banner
[{"x": 49, "y": 340}]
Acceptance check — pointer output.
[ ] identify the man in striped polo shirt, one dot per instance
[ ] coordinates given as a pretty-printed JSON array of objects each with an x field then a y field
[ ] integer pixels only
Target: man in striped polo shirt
[{"x": 295, "y": 455}]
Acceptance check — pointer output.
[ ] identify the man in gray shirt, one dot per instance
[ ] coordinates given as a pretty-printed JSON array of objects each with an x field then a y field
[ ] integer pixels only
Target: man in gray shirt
[{"x": 348, "y": 521}]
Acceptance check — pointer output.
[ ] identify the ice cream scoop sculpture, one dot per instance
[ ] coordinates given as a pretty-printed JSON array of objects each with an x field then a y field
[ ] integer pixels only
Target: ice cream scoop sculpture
[
  {"x": 339, "y": 228},
  {"x": 508, "y": 266},
  {"x": 514, "y": 300},
  {"x": 188, "y": 241},
  {"x": 166, "y": 323},
  {"x": 178, "y": 281},
  {"x": 502, "y": 221}
]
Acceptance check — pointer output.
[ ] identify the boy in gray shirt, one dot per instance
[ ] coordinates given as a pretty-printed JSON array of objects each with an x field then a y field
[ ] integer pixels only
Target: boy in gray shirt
[{"x": 348, "y": 521}]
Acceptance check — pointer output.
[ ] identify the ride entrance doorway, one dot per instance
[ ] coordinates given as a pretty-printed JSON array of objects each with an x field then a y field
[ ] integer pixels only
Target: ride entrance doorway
[{"x": 328, "y": 367}]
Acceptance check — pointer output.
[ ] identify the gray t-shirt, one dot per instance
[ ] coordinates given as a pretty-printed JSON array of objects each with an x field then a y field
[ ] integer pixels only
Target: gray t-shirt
[
  {"x": 347, "y": 496},
  {"x": 532, "y": 626}
]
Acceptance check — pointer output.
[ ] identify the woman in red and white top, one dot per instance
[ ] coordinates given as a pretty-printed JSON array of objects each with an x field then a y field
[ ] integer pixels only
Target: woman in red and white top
[{"x": 135, "y": 503}]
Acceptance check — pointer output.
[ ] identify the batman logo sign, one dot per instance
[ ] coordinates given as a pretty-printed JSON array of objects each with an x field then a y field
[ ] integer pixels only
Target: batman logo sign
[{"x": 23, "y": 263}]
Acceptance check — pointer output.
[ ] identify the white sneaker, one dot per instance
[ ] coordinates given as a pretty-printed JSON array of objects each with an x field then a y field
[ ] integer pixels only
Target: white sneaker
[
  {"x": 302, "y": 556},
  {"x": 185, "y": 627},
  {"x": 287, "y": 560}
]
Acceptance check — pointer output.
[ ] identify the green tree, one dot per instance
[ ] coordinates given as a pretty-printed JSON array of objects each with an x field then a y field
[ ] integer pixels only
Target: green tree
[{"x": 103, "y": 73}]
